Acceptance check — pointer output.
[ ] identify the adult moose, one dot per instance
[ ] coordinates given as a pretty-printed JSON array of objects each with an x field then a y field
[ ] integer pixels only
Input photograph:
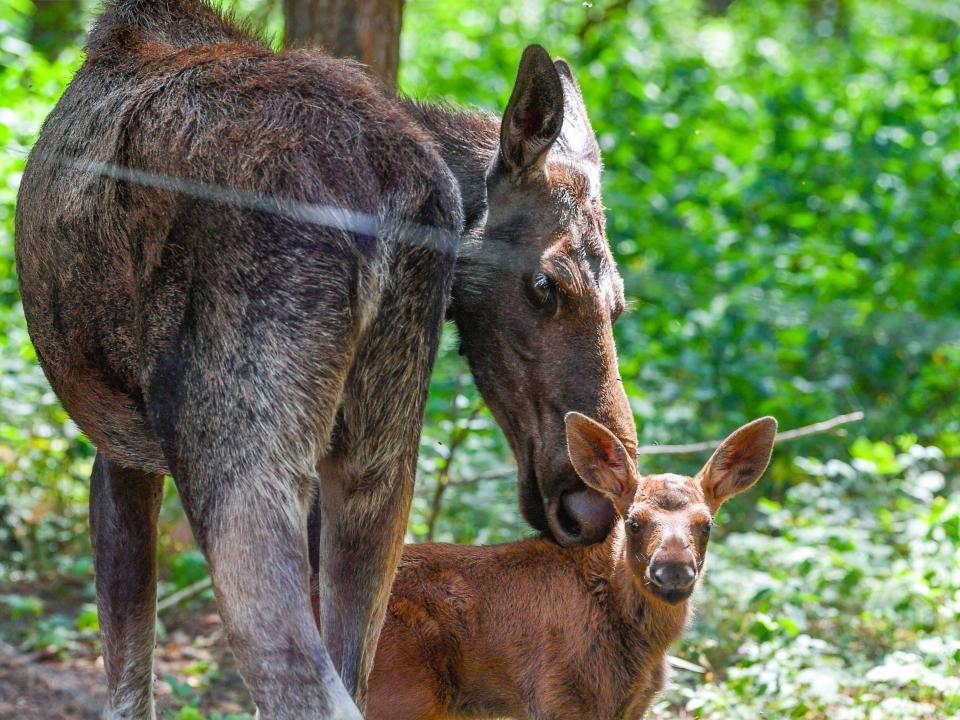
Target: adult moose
[{"x": 235, "y": 265}]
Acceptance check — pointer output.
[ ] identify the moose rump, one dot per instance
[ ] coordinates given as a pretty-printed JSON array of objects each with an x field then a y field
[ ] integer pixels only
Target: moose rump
[{"x": 198, "y": 316}]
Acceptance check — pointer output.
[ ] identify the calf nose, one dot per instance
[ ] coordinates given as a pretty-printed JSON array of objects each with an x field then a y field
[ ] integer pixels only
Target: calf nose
[{"x": 673, "y": 575}]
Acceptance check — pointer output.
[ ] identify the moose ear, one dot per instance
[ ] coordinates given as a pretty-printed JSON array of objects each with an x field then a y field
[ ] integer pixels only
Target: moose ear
[
  {"x": 739, "y": 461},
  {"x": 601, "y": 460},
  {"x": 576, "y": 136},
  {"x": 534, "y": 116}
]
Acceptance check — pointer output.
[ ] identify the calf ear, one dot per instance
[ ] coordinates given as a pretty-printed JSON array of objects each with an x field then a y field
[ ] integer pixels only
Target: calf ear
[
  {"x": 577, "y": 136},
  {"x": 534, "y": 116},
  {"x": 739, "y": 461},
  {"x": 601, "y": 460}
]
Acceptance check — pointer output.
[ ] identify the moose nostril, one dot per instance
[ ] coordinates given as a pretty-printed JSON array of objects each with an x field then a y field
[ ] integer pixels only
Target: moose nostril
[
  {"x": 592, "y": 514},
  {"x": 673, "y": 575},
  {"x": 562, "y": 527},
  {"x": 581, "y": 517}
]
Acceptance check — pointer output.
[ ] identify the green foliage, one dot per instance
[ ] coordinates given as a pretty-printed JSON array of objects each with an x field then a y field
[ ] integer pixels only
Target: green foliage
[
  {"x": 840, "y": 598},
  {"x": 44, "y": 462},
  {"x": 782, "y": 199},
  {"x": 782, "y": 186},
  {"x": 21, "y": 606}
]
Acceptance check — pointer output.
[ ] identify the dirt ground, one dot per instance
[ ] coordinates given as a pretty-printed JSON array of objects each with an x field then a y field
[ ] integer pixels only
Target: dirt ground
[
  {"x": 31, "y": 690},
  {"x": 193, "y": 654}
]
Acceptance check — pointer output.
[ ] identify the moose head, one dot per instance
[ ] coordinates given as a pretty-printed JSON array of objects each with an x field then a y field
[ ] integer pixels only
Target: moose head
[
  {"x": 536, "y": 295},
  {"x": 667, "y": 518}
]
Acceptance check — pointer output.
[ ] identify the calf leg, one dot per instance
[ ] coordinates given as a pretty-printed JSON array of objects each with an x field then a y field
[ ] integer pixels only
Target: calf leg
[{"x": 124, "y": 504}]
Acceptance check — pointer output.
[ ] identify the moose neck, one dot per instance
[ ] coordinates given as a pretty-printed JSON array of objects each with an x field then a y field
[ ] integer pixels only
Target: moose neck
[
  {"x": 467, "y": 141},
  {"x": 658, "y": 623}
]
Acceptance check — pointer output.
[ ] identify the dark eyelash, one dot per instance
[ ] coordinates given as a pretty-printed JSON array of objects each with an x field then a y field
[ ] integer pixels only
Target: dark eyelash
[{"x": 542, "y": 292}]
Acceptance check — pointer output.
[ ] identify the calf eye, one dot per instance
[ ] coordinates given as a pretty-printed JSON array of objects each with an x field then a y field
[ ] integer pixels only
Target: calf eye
[
  {"x": 706, "y": 528},
  {"x": 542, "y": 293},
  {"x": 633, "y": 526}
]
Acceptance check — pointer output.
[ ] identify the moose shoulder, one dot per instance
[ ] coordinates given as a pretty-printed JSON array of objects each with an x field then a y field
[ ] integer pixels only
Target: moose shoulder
[{"x": 235, "y": 265}]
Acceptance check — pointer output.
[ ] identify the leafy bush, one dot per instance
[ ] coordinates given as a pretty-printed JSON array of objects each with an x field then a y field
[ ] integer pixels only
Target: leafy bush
[
  {"x": 44, "y": 462},
  {"x": 782, "y": 193},
  {"x": 841, "y": 601}
]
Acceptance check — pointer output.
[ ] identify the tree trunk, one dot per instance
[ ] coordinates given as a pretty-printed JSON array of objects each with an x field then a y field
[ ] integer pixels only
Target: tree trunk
[{"x": 368, "y": 30}]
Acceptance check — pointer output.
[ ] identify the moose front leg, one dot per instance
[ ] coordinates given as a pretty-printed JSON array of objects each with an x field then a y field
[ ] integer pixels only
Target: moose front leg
[{"x": 124, "y": 505}]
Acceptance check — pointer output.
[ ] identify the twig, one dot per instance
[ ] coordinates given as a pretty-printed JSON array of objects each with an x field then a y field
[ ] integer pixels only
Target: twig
[
  {"x": 189, "y": 591},
  {"x": 815, "y": 429},
  {"x": 457, "y": 436},
  {"x": 820, "y": 427},
  {"x": 443, "y": 473},
  {"x": 498, "y": 474},
  {"x": 682, "y": 664},
  {"x": 787, "y": 435}
]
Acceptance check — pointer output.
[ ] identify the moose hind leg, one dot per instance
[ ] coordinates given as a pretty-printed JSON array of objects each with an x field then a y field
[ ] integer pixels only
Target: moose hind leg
[
  {"x": 124, "y": 505},
  {"x": 366, "y": 480},
  {"x": 242, "y": 455},
  {"x": 252, "y": 532}
]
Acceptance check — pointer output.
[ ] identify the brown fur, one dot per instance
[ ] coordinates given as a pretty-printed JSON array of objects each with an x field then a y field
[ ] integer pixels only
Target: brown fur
[
  {"x": 532, "y": 630},
  {"x": 196, "y": 320}
]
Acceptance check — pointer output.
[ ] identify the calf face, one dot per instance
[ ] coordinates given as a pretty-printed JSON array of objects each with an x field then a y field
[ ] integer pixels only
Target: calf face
[
  {"x": 667, "y": 518},
  {"x": 536, "y": 296}
]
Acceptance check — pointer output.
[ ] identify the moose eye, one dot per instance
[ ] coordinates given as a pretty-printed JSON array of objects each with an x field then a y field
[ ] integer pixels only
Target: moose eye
[
  {"x": 706, "y": 528},
  {"x": 542, "y": 293},
  {"x": 633, "y": 526}
]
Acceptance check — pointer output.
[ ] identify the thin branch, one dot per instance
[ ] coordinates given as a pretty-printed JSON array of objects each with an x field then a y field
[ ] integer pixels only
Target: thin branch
[
  {"x": 457, "y": 436},
  {"x": 806, "y": 430},
  {"x": 443, "y": 472},
  {"x": 787, "y": 435},
  {"x": 180, "y": 595},
  {"x": 820, "y": 427},
  {"x": 498, "y": 474},
  {"x": 682, "y": 664}
]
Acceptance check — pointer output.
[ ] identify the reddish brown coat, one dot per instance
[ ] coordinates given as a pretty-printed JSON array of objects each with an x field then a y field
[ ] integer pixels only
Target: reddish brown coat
[
  {"x": 533, "y": 630},
  {"x": 521, "y": 630}
]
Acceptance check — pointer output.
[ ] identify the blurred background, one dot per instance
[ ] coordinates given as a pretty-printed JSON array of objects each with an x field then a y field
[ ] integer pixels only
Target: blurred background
[{"x": 782, "y": 185}]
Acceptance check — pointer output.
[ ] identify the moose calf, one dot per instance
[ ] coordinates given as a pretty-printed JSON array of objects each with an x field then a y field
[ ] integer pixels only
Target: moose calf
[{"x": 533, "y": 630}]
